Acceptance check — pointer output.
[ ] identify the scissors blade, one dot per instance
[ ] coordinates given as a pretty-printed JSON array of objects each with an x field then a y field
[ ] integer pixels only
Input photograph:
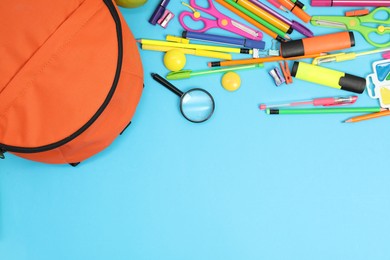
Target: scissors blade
[
  {"x": 329, "y": 24},
  {"x": 245, "y": 28}
]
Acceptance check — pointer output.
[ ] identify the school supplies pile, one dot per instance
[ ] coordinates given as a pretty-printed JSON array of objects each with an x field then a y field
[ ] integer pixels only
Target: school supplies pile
[{"x": 269, "y": 20}]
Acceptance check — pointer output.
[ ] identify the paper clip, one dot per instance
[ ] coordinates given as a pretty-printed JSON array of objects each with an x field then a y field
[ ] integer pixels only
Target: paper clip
[
  {"x": 277, "y": 76},
  {"x": 286, "y": 71}
]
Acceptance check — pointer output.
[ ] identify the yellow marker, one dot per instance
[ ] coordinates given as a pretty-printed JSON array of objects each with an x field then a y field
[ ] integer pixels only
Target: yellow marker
[
  {"x": 196, "y": 46},
  {"x": 195, "y": 52}
]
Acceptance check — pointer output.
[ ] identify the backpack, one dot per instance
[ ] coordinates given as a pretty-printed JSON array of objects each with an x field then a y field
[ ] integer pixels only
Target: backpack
[{"x": 70, "y": 78}]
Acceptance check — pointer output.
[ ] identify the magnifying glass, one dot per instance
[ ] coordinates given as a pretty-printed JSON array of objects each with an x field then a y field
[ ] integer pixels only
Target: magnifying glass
[{"x": 196, "y": 105}]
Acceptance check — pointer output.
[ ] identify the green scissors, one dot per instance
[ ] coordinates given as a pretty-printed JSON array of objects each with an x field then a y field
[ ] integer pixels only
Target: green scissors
[{"x": 379, "y": 27}]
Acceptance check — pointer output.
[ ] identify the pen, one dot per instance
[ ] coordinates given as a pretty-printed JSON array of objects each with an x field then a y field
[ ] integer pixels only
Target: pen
[
  {"x": 296, "y": 111},
  {"x": 195, "y": 46},
  {"x": 258, "y": 60},
  {"x": 158, "y": 12},
  {"x": 195, "y": 52},
  {"x": 338, "y": 57},
  {"x": 350, "y": 2},
  {"x": 185, "y": 74},
  {"x": 248, "y": 43},
  {"x": 294, "y": 24},
  {"x": 329, "y": 101},
  {"x": 368, "y": 116}
]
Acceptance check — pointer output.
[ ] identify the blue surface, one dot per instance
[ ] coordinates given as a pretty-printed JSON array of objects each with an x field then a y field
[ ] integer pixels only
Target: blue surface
[{"x": 243, "y": 185}]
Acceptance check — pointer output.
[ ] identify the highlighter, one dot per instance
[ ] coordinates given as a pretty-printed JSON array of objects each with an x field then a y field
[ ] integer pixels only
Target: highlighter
[
  {"x": 328, "y": 77},
  {"x": 317, "y": 44}
]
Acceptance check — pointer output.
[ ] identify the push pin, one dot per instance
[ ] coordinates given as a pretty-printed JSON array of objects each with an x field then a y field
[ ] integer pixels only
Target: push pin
[{"x": 277, "y": 76}]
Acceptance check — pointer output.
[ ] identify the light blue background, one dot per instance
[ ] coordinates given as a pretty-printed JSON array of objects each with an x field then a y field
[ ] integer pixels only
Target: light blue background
[{"x": 243, "y": 185}]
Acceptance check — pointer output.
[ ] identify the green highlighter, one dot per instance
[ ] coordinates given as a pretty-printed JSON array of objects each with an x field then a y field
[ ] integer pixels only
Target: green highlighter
[{"x": 186, "y": 74}]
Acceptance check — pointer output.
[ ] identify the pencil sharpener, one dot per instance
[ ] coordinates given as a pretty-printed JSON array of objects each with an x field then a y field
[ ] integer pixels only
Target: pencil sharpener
[
  {"x": 277, "y": 75},
  {"x": 166, "y": 17}
]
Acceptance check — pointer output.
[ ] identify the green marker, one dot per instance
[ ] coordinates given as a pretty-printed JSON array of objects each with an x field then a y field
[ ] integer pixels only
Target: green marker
[
  {"x": 257, "y": 19},
  {"x": 273, "y": 111},
  {"x": 186, "y": 74}
]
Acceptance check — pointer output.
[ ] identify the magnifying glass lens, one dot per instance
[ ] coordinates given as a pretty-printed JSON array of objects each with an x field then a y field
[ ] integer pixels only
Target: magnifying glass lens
[{"x": 197, "y": 105}]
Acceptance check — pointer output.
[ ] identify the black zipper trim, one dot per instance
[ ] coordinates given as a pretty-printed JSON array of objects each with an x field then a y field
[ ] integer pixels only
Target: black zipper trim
[{"x": 118, "y": 26}]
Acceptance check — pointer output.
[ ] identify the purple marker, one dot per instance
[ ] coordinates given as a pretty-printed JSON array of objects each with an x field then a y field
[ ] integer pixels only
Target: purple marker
[
  {"x": 158, "y": 12},
  {"x": 294, "y": 25}
]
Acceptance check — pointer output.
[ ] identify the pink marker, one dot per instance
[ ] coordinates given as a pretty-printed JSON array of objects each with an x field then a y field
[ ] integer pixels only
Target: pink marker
[
  {"x": 350, "y": 2},
  {"x": 386, "y": 55},
  {"x": 326, "y": 102}
]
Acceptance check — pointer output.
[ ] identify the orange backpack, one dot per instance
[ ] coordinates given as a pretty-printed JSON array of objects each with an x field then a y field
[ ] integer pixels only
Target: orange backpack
[{"x": 70, "y": 78}]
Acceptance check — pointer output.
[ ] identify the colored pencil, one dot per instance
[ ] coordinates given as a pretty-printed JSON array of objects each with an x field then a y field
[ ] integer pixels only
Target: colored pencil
[{"x": 368, "y": 116}]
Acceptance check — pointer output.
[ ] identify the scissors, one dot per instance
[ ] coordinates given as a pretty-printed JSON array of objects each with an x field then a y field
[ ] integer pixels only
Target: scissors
[
  {"x": 221, "y": 21},
  {"x": 356, "y": 23}
]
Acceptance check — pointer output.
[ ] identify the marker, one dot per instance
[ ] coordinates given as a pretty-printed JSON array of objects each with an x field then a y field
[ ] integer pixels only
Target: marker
[
  {"x": 195, "y": 46},
  {"x": 248, "y": 43},
  {"x": 302, "y": 111},
  {"x": 266, "y": 16},
  {"x": 186, "y": 74},
  {"x": 158, "y": 12},
  {"x": 326, "y": 102},
  {"x": 318, "y": 44},
  {"x": 368, "y": 117},
  {"x": 297, "y": 11},
  {"x": 195, "y": 52},
  {"x": 294, "y": 24},
  {"x": 250, "y": 20},
  {"x": 328, "y": 77}
]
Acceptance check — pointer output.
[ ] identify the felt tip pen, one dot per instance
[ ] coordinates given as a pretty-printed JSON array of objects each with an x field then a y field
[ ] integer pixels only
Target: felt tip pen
[
  {"x": 247, "y": 43},
  {"x": 297, "y": 11},
  {"x": 158, "y": 12},
  {"x": 350, "y": 2},
  {"x": 294, "y": 24},
  {"x": 302, "y": 111},
  {"x": 326, "y": 102}
]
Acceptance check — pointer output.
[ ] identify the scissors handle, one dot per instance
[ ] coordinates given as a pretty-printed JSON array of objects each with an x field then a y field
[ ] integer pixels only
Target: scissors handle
[
  {"x": 207, "y": 23},
  {"x": 370, "y": 18}
]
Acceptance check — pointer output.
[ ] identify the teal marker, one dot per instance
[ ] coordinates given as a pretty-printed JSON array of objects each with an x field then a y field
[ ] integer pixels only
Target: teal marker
[
  {"x": 275, "y": 111},
  {"x": 186, "y": 74}
]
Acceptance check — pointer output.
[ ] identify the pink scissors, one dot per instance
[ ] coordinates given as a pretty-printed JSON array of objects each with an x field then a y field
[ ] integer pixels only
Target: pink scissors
[{"x": 221, "y": 21}]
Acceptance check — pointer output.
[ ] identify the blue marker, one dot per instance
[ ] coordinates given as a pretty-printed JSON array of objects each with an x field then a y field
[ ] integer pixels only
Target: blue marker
[{"x": 248, "y": 43}]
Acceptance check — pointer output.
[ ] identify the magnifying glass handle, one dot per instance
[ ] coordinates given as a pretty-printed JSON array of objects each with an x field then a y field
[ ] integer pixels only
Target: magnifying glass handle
[{"x": 167, "y": 84}]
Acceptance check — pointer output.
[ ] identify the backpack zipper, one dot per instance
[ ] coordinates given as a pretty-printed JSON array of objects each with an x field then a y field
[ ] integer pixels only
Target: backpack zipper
[{"x": 17, "y": 149}]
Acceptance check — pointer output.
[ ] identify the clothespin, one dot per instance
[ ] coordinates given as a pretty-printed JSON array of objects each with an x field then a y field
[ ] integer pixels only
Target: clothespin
[
  {"x": 286, "y": 71},
  {"x": 357, "y": 12}
]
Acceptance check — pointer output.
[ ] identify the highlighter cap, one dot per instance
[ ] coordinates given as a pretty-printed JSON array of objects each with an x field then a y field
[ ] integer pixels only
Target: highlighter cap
[{"x": 321, "y": 2}]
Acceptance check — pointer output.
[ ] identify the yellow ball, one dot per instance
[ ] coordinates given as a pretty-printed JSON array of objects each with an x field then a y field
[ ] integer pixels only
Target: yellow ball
[
  {"x": 174, "y": 60},
  {"x": 130, "y": 3},
  {"x": 231, "y": 81}
]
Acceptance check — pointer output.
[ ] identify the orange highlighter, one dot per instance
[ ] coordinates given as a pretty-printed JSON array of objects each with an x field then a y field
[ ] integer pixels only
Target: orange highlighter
[
  {"x": 317, "y": 44},
  {"x": 295, "y": 10}
]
